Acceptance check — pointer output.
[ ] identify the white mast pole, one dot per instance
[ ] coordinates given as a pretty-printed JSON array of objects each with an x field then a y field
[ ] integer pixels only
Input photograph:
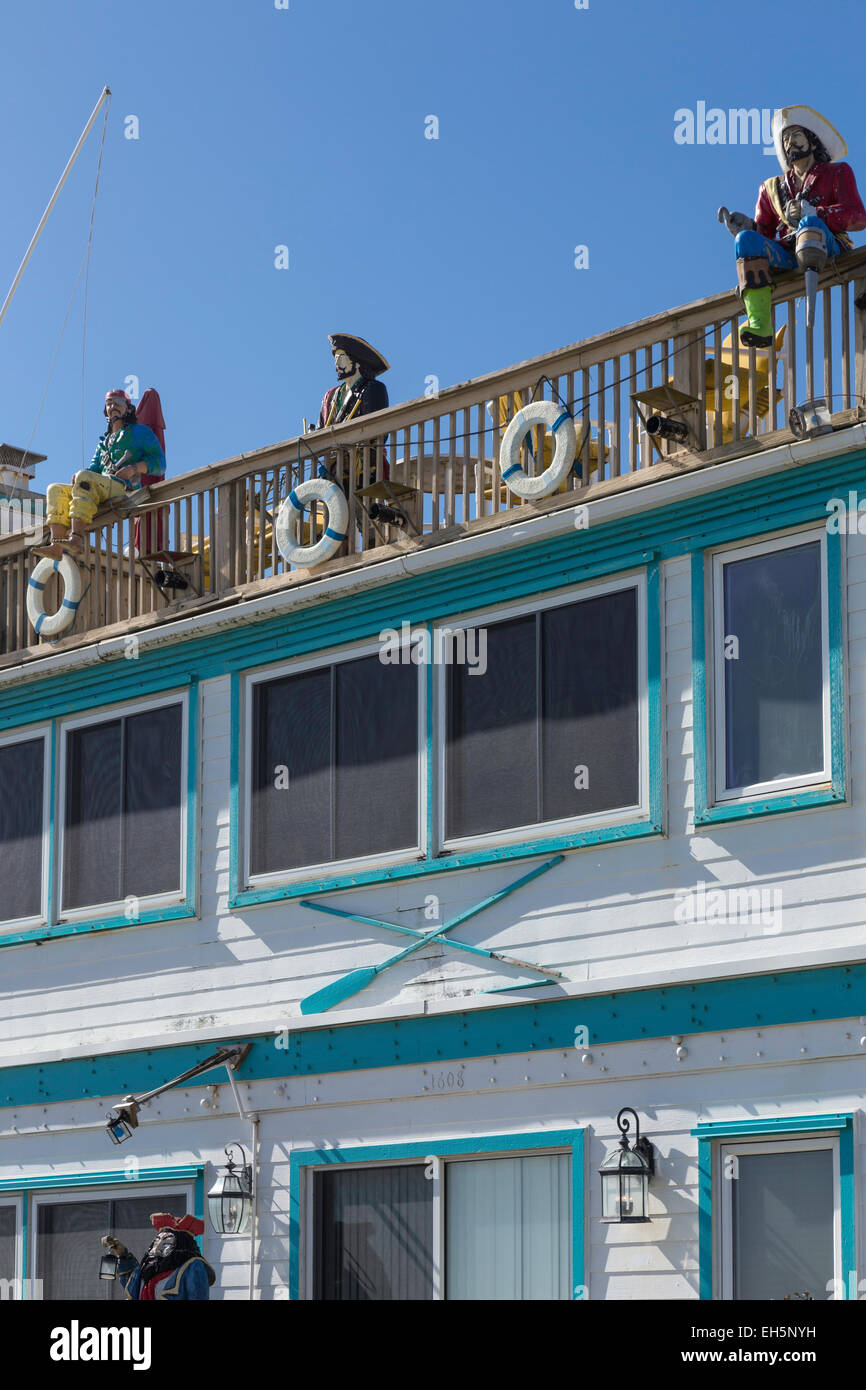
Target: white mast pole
[{"x": 106, "y": 92}]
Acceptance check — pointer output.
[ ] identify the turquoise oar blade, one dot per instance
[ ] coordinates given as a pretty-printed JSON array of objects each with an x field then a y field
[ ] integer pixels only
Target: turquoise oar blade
[{"x": 335, "y": 993}]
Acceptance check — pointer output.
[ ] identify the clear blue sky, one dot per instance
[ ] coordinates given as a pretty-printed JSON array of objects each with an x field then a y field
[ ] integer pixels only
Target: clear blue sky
[{"x": 305, "y": 127}]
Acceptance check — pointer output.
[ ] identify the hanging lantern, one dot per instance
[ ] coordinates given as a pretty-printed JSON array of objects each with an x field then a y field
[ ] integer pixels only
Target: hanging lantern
[
  {"x": 108, "y": 1266},
  {"x": 230, "y": 1200},
  {"x": 625, "y": 1175}
]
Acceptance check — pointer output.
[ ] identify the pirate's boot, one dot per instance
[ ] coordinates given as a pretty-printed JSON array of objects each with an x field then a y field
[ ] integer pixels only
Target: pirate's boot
[{"x": 753, "y": 277}]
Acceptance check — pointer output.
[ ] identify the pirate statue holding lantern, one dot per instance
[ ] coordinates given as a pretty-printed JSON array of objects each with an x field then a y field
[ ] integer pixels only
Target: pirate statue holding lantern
[
  {"x": 173, "y": 1266},
  {"x": 802, "y": 219}
]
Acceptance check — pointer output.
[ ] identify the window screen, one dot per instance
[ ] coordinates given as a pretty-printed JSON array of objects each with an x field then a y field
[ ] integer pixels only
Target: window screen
[
  {"x": 68, "y": 1248},
  {"x": 374, "y": 1234},
  {"x": 22, "y": 811},
  {"x": 550, "y": 729},
  {"x": 783, "y": 1224},
  {"x": 334, "y": 765},
  {"x": 123, "y": 808},
  {"x": 774, "y": 719},
  {"x": 508, "y": 1228},
  {"x": 7, "y": 1243}
]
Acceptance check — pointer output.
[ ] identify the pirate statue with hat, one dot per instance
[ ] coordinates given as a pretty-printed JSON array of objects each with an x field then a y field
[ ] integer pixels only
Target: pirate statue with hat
[
  {"x": 802, "y": 218},
  {"x": 359, "y": 392},
  {"x": 173, "y": 1266},
  {"x": 128, "y": 456}
]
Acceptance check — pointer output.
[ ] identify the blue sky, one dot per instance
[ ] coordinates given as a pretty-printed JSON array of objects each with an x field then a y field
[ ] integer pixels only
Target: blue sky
[{"x": 305, "y": 126}]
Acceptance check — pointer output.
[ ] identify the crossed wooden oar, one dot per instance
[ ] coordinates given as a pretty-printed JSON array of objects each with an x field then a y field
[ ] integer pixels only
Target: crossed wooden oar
[{"x": 356, "y": 980}]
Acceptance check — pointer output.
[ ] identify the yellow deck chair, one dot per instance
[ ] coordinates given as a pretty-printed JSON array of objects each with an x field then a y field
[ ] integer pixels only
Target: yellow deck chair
[{"x": 729, "y": 401}]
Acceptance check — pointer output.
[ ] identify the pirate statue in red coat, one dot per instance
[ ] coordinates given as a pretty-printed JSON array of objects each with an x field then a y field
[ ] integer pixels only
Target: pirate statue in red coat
[
  {"x": 802, "y": 219},
  {"x": 172, "y": 1268}
]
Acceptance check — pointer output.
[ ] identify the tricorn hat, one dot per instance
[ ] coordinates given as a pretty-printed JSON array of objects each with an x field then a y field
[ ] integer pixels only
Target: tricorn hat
[
  {"x": 360, "y": 351},
  {"x": 812, "y": 120},
  {"x": 192, "y": 1224}
]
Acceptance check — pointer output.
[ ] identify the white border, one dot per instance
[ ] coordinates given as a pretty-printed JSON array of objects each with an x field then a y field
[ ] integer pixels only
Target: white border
[
  {"x": 717, "y": 724},
  {"x": 322, "y": 661},
  {"x": 632, "y": 579},
  {"x": 105, "y": 715}
]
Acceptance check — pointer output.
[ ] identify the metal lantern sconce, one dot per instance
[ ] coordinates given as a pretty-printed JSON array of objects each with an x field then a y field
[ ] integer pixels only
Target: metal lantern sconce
[
  {"x": 625, "y": 1175},
  {"x": 108, "y": 1266},
  {"x": 122, "y": 1120},
  {"x": 230, "y": 1200}
]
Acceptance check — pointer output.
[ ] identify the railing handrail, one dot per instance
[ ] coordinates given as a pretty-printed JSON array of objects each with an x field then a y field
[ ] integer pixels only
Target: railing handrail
[{"x": 579, "y": 355}]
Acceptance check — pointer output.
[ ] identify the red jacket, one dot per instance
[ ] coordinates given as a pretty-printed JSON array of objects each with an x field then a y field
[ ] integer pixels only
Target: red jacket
[{"x": 832, "y": 191}]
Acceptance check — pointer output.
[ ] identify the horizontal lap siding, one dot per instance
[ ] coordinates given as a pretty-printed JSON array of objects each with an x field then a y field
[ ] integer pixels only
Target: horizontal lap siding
[{"x": 605, "y": 914}]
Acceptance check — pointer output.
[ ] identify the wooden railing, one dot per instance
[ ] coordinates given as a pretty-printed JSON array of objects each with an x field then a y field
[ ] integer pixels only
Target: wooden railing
[{"x": 445, "y": 448}]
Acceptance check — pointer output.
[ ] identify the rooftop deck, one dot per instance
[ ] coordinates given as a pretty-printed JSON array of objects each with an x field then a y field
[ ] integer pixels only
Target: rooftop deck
[{"x": 446, "y": 450}]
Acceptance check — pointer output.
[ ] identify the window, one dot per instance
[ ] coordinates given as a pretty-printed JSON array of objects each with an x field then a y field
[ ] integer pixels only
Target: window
[
  {"x": 23, "y": 828},
  {"x": 493, "y": 1228},
  {"x": 67, "y": 1241},
  {"x": 772, "y": 709},
  {"x": 124, "y": 807},
  {"x": 780, "y": 1219},
  {"x": 334, "y": 764},
  {"x": 549, "y": 728},
  {"x": 8, "y": 1246}
]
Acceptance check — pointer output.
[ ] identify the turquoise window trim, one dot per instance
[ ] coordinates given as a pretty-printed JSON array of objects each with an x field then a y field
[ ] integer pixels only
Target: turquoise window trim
[
  {"x": 776, "y": 1127},
  {"x": 707, "y": 813},
  {"x": 171, "y": 913},
  {"x": 641, "y": 827},
  {"x": 538, "y": 1140},
  {"x": 50, "y": 1182},
  {"x": 761, "y": 1001}
]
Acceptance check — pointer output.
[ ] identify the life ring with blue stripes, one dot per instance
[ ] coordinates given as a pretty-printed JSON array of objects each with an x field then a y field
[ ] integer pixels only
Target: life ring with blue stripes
[
  {"x": 49, "y": 624},
  {"x": 288, "y": 523},
  {"x": 559, "y": 422}
]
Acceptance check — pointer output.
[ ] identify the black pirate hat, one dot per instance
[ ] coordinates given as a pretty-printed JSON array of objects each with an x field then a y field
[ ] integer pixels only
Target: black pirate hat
[{"x": 363, "y": 353}]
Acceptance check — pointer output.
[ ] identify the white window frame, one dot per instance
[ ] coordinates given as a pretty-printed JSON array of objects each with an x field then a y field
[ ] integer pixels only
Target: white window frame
[
  {"x": 42, "y": 731},
  {"x": 99, "y": 1192},
  {"x": 438, "y": 1163},
  {"x": 105, "y": 715},
  {"x": 322, "y": 661},
  {"x": 15, "y": 1200},
  {"x": 732, "y": 553},
  {"x": 570, "y": 825},
  {"x": 734, "y": 1148}
]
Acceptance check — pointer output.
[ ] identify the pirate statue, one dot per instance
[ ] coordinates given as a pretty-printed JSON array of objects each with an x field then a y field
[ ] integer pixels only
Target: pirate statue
[
  {"x": 173, "y": 1266},
  {"x": 802, "y": 218},
  {"x": 358, "y": 392},
  {"x": 128, "y": 456}
]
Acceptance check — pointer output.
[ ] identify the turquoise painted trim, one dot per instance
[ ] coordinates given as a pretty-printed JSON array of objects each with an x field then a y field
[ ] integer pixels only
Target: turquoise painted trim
[
  {"x": 772, "y": 1124},
  {"x": 572, "y": 1139},
  {"x": 775, "y": 1126},
  {"x": 236, "y": 738},
  {"x": 104, "y": 1178},
  {"x": 174, "y": 913},
  {"x": 430, "y": 762},
  {"x": 432, "y": 863},
  {"x": 766, "y": 805},
  {"x": 752, "y": 1001}
]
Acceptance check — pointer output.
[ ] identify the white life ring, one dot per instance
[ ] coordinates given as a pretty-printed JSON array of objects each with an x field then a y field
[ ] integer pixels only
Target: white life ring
[
  {"x": 559, "y": 421},
  {"x": 288, "y": 523},
  {"x": 45, "y": 624}
]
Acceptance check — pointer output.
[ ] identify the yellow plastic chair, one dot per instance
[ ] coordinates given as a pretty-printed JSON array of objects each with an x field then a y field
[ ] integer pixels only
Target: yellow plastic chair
[{"x": 741, "y": 400}]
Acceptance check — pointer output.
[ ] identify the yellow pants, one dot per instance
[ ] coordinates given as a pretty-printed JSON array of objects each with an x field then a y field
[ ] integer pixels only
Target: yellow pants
[{"x": 81, "y": 501}]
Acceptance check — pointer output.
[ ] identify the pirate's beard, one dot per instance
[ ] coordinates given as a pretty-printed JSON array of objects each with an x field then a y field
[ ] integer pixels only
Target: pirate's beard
[{"x": 181, "y": 1249}]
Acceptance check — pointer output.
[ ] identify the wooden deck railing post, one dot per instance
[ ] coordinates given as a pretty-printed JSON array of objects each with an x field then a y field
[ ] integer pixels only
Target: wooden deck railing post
[
  {"x": 860, "y": 341},
  {"x": 222, "y": 552}
]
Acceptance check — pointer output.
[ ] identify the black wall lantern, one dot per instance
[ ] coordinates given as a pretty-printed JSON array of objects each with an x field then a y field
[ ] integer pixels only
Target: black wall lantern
[
  {"x": 229, "y": 1201},
  {"x": 108, "y": 1266},
  {"x": 625, "y": 1175}
]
